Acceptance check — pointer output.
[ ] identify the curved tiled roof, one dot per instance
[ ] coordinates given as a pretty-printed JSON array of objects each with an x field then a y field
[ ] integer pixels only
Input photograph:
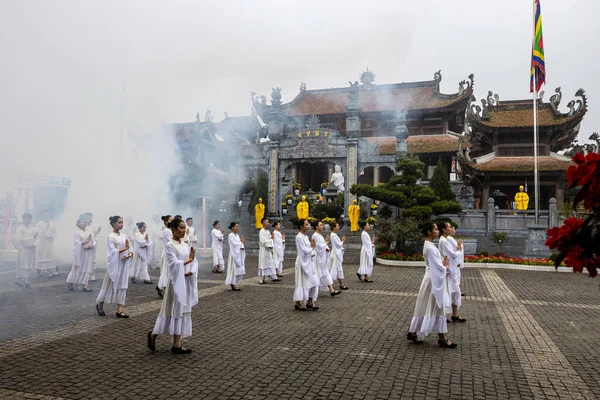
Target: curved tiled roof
[
  {"x": 403, "y": 96},
  {"x": 417, "y": 144},
  {"x": 520, "y": 164}
]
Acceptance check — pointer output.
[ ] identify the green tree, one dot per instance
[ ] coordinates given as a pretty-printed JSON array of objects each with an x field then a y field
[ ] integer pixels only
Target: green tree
[
  {"x": 415, "y": 201},
  {"x": 440, "y": 184},
  {"x": 259, "y": 188}
]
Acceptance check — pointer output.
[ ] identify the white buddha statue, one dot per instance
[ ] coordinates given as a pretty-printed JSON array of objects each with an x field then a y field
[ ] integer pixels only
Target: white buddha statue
[{"x": 338, "y": 179}]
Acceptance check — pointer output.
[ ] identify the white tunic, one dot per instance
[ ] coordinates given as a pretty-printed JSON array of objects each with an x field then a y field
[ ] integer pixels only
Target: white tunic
[
  {"x": 192, "y": 239},
  {"x": 336, "y": 258},
  {"x": 366, "y": 254},
  {"x": 279, "y": 244},
  {"x": 141, "y": 258},
  {"x": 45, "y": 245},
  {"x": 181, "y": 294},
  {"x": 217, "y": 248},
  {"x": 236, "y": 260},
  {"x": 83, "y": 258},
  {"x": 306, "y": 277},
  {"x": 26, "y": 260},
  {"x": 165, "y": 237},
  {"x": 322, "y": 261},
  {"x": 116, "y": 279},
  {"x": 432, "y": 300},
  {"x": 448, "y": 247},
  {"x": 266, "y": 264}
]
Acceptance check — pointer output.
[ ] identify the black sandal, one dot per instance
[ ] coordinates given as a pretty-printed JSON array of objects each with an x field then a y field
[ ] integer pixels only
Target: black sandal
[
  {"x": 121, "y": 315},
  {"x": 413, "y": 337},
  {"x": 160, "y": 292},
  {"x": 446, "y": 344},
  {"x": 151, "y": 342},
  {"x": 298, "y": 308},
  {"x": 148, "y": 282},
  {"x": 237, "y": 289},
  {"x": 180, "y": 350},
  {"x": 359, "y": 276},
  {"x": 312, "y": 307},
  {"x": 70, "y": 286},
  {"x": 86, "y": 289},
  {"x": 335, "y": 293},
  {"x": 344, "y": 287},
  {"x": 100, "y": 310},
  {"x": 458, "y": 319}
]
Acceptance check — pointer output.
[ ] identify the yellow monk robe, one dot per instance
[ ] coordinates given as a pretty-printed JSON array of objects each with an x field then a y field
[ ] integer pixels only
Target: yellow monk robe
[
  {"x": 259, "y": 213},
  {"x": 302, "y": 209},
  {"x": 522, "y": 200},
  {"x": 353, "y": 215}
]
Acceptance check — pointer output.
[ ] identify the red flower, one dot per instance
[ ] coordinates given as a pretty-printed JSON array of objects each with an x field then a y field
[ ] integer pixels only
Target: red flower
[
  {"x": 587, "y": 175},
  {"x": 564, "y": 237}
]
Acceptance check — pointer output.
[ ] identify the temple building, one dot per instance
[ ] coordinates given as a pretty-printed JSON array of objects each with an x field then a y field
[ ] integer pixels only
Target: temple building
[
  {"x": 501, "y": 158},
  {"x": 364, "y": 127}
]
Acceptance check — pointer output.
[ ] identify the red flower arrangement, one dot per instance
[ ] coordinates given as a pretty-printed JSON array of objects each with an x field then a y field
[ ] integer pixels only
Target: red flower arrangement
[{"x": 578, "y": 241}]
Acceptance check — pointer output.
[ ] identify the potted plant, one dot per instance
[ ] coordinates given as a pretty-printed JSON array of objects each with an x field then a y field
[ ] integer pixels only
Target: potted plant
[
  {"x": 328, "y": 222},
  {"x": 500, "y": 239},
  {"x": 284, "y": 208},
  {"x": 374, "y": 208},
  {"x": 297, "y": 186},
  {"x": 289, "y": 198},
  {"x": 311, "y": 221},
  {"x": 371, "y": 221}
]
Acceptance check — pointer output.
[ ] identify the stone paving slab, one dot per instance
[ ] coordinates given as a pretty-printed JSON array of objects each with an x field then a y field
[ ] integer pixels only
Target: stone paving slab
[{"x": 252, "y": 344}]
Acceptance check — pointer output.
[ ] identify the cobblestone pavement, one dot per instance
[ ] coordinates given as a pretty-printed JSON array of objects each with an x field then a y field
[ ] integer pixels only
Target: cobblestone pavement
[{"x": 529, "y": 335}]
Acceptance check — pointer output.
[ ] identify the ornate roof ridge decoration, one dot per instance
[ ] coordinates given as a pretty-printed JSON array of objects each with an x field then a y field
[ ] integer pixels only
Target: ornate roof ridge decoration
[
  {"x": 586, "y": 147},
  {"x": 366, "y": 79},
  {"x": 480, "y": 115},
  {"x": 420, "y": 95},
  {"x": 313, "y": 122}
]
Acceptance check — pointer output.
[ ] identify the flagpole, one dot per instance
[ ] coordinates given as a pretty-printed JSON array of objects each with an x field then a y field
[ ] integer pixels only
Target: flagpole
[{"x": 536, "y": 199}]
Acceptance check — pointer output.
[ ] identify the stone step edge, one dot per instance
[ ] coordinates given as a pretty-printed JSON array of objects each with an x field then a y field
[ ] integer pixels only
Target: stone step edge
[{"x": 522, "y": 267}]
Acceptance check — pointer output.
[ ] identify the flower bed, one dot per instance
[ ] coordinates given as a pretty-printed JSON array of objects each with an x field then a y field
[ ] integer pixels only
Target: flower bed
[{"x": 388, "y": 255}]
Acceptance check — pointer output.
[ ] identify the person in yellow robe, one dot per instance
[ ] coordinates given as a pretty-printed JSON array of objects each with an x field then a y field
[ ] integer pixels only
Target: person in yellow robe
[
  {"x": 522, "y": 199},
  {"x": 302, "y": 208},
  {"x": 259, "y": 213},
  {"x": 353, "y": 215}
]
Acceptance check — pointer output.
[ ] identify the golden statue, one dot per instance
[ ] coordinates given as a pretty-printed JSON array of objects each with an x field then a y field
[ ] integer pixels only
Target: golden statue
[
  {"x": 353, "y": 215},
  {"x": 302, "y": 208},
  {"x": 522, "y": 199},
  {"x": 259, "y": 213}
]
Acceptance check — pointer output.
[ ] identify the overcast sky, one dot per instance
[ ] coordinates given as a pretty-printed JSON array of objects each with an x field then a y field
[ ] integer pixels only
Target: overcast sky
[{"x": 64, "y": 62}]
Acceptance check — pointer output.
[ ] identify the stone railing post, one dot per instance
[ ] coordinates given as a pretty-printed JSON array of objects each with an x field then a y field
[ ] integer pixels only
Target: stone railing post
[
  {"x": 552, "y": 214},
  {"x": 491, "y": 216},
  {"x": 246, "y": 219}
]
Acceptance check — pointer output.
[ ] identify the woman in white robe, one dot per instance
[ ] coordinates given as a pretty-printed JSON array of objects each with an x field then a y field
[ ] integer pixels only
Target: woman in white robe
[
  {"x": 181, "y": 293},
  {"x": 95, "y": 231},
  {"x": 461, "y": 259},
  {"x": 217, "y": 248},
  {"x": 116, "y": 278},
  {"x": 44, "y": 252},
  {"x": 432, "y": 300},
  {"x": 84, "y": 253},
  {"x": 279, "y": 246},
  {"x": 365, "y": 269},
  {"x": 141, "y": 259},
  {"x": 165, "y": 237},
  {"x": 236, "y": 260},
  {"x": 450, "y": 248},
  {"x": 266, "y": 262},
  {"x": 306, "y": 284},
  {"x": 322, "y": 261},
  {"x": 336, "y": 258},
  {"x": 26, "y": 235}
]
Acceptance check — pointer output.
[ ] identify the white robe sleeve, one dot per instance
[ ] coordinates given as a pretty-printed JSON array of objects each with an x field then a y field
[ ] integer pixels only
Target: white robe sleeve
[
  {"x": 113, "y": 254},
  {"x": 24, "y": 239},
  {"x": 305, "y": 254},
  {"x": 77, "y": 249},
  {"x": 367, "y": 244},
  {"x": 337, "y": 246},
  {"x": 177, "y": 275},
  {"x": 447, "y": 249},
  {"x": 279, "y": 245},
  {"x": 438, "y": 275},
  {"x": 235, "y": 245}
]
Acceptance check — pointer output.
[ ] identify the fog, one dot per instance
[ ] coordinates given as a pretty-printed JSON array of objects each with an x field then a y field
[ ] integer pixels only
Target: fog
[{"x": 74, "y": 74}]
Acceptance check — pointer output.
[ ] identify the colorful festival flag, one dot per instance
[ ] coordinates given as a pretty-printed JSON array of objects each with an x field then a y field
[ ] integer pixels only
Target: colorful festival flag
[{"x": 538, "y": 66}]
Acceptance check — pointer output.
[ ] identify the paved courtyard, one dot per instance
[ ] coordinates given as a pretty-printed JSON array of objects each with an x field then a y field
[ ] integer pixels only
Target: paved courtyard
[{"x": 529, "y": 335}]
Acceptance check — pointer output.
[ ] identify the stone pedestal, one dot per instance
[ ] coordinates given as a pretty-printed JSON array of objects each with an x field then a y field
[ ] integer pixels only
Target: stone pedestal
[
  {"x": 534, "y": 245},
  {"x": 463, "y": 194},
  {"x": 246, "y": 220}
]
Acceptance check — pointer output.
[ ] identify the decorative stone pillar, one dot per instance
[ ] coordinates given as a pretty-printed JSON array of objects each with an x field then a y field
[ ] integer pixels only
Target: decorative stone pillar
[
  {"x": 401, "y": 132},
  {"x": 552, "y": 214},
  {"x": 491, "y": 216},
  {"x": 273, "y": 203},
  {"x": 352, "y": 133},
  {"x": 375, "y": 176}
]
